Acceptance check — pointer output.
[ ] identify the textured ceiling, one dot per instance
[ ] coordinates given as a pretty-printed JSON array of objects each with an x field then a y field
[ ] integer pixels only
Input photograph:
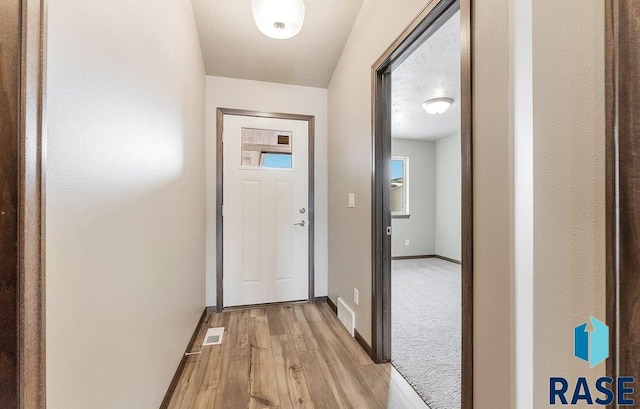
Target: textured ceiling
[
  {"x": 432, "y": 71},
  {"x": 233, "y": 46}
]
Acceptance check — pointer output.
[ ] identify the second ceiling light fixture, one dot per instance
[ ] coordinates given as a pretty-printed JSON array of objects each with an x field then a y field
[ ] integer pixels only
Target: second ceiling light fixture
[{"x": 437, "y": 106}]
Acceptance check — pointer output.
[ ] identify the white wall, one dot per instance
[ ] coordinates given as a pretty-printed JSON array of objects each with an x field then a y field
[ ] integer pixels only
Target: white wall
[
  {"x": 521, "y": 128},
  {"x": 492, "y": 177},
  {"x": 420, "y": 228},
  {"x": 448, "y": 198},
  {"x": 125, "y": 199},
  {"x": 268, "y": 97},
  {"x": 569, "y": 183}
]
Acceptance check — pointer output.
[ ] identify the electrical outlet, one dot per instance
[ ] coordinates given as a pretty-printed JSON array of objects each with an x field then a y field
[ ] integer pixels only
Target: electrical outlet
[
  {"x": 406, "y": 242},
  {"x": 356, "y": 296},
  {"x": 352, "y": 200}
]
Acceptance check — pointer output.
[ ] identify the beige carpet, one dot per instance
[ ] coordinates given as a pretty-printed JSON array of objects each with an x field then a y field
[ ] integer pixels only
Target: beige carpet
[{"x": 426, "y": 328}]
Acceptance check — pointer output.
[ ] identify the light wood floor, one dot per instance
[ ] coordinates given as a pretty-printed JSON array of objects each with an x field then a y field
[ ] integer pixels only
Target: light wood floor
[{"x": 288, "y": 356}]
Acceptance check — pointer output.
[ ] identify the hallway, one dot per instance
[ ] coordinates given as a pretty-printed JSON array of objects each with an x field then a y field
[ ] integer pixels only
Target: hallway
[
  {"x": 287, "y": 356},
  {"x": 112, "y": 201}
]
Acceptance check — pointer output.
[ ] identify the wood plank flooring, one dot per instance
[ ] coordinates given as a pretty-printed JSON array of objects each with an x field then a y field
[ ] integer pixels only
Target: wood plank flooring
[{"x": 287, "y": 357}]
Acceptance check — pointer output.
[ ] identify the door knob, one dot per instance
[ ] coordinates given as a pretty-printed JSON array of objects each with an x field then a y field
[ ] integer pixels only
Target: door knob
[{"x": 302, "y": 223}]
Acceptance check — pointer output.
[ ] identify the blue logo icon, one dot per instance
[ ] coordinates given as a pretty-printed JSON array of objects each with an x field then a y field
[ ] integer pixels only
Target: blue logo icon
[{"x": 591, "y": 344}]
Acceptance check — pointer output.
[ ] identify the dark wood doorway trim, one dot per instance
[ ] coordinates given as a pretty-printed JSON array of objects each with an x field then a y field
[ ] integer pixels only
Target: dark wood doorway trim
[
  {"x": 424, "y": 25},
  {"x": 22, "y": 153},
  {"x": 311, "y": 120},
  {"x": 622, "y": 77}
]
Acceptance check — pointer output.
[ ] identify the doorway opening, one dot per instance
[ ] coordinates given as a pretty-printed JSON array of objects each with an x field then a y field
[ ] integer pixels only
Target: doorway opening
[
  {"x": 264, "y": 208},
  {"x": 422, "y": 206}
]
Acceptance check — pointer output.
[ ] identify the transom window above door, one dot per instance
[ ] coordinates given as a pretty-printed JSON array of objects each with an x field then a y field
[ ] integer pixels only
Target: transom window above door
[{"x": 266, "y": 148}]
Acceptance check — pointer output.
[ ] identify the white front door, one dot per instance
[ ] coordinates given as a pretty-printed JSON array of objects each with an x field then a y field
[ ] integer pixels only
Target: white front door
[{"x": 265, "y": 210}]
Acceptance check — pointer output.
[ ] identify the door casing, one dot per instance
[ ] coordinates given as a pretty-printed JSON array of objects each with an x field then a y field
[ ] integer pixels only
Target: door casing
[
  {"x": 220, "y": 113},
  {"x": 622, "y": 86},
  {"x": 423, "y": 26},
  {"x": 23, "y": 40}
]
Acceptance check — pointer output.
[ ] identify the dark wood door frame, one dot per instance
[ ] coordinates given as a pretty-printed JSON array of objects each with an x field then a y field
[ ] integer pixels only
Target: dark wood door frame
[
  {"x": 425, "y": 24},
  {"x": 311, "y": 120},
  {"x": 22, "y": 153},
  {"x": 622, "y": 75}
]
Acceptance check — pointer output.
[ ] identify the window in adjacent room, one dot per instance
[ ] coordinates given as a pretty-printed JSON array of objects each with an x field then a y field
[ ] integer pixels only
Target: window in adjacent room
[{"x": 399, "y": 186}]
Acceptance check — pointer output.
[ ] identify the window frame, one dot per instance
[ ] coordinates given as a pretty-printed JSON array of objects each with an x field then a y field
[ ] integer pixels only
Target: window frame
[
  {"x": 405, "y": 212},
  {"x": 262, "y": 153}
]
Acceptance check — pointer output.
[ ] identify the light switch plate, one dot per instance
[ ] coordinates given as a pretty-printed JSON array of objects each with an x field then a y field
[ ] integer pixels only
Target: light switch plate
[
  {"x": 352, "y": 200},
  {"x": 356, "y": 296}
]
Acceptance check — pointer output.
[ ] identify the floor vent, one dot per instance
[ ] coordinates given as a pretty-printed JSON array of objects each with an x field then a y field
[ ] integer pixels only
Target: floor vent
[
  {"x": 346, "y": 316},
  {"x": 213, "y": 336}
]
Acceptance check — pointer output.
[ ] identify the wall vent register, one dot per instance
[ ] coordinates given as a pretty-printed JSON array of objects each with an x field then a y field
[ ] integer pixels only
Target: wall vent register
[{"x": 346, "y": 316}]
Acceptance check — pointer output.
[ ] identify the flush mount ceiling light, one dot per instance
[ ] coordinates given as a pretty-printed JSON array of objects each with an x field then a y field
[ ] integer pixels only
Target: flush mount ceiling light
[
  {"x": 437, "y": 106},
  {"x": 279, "y": 19}
]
